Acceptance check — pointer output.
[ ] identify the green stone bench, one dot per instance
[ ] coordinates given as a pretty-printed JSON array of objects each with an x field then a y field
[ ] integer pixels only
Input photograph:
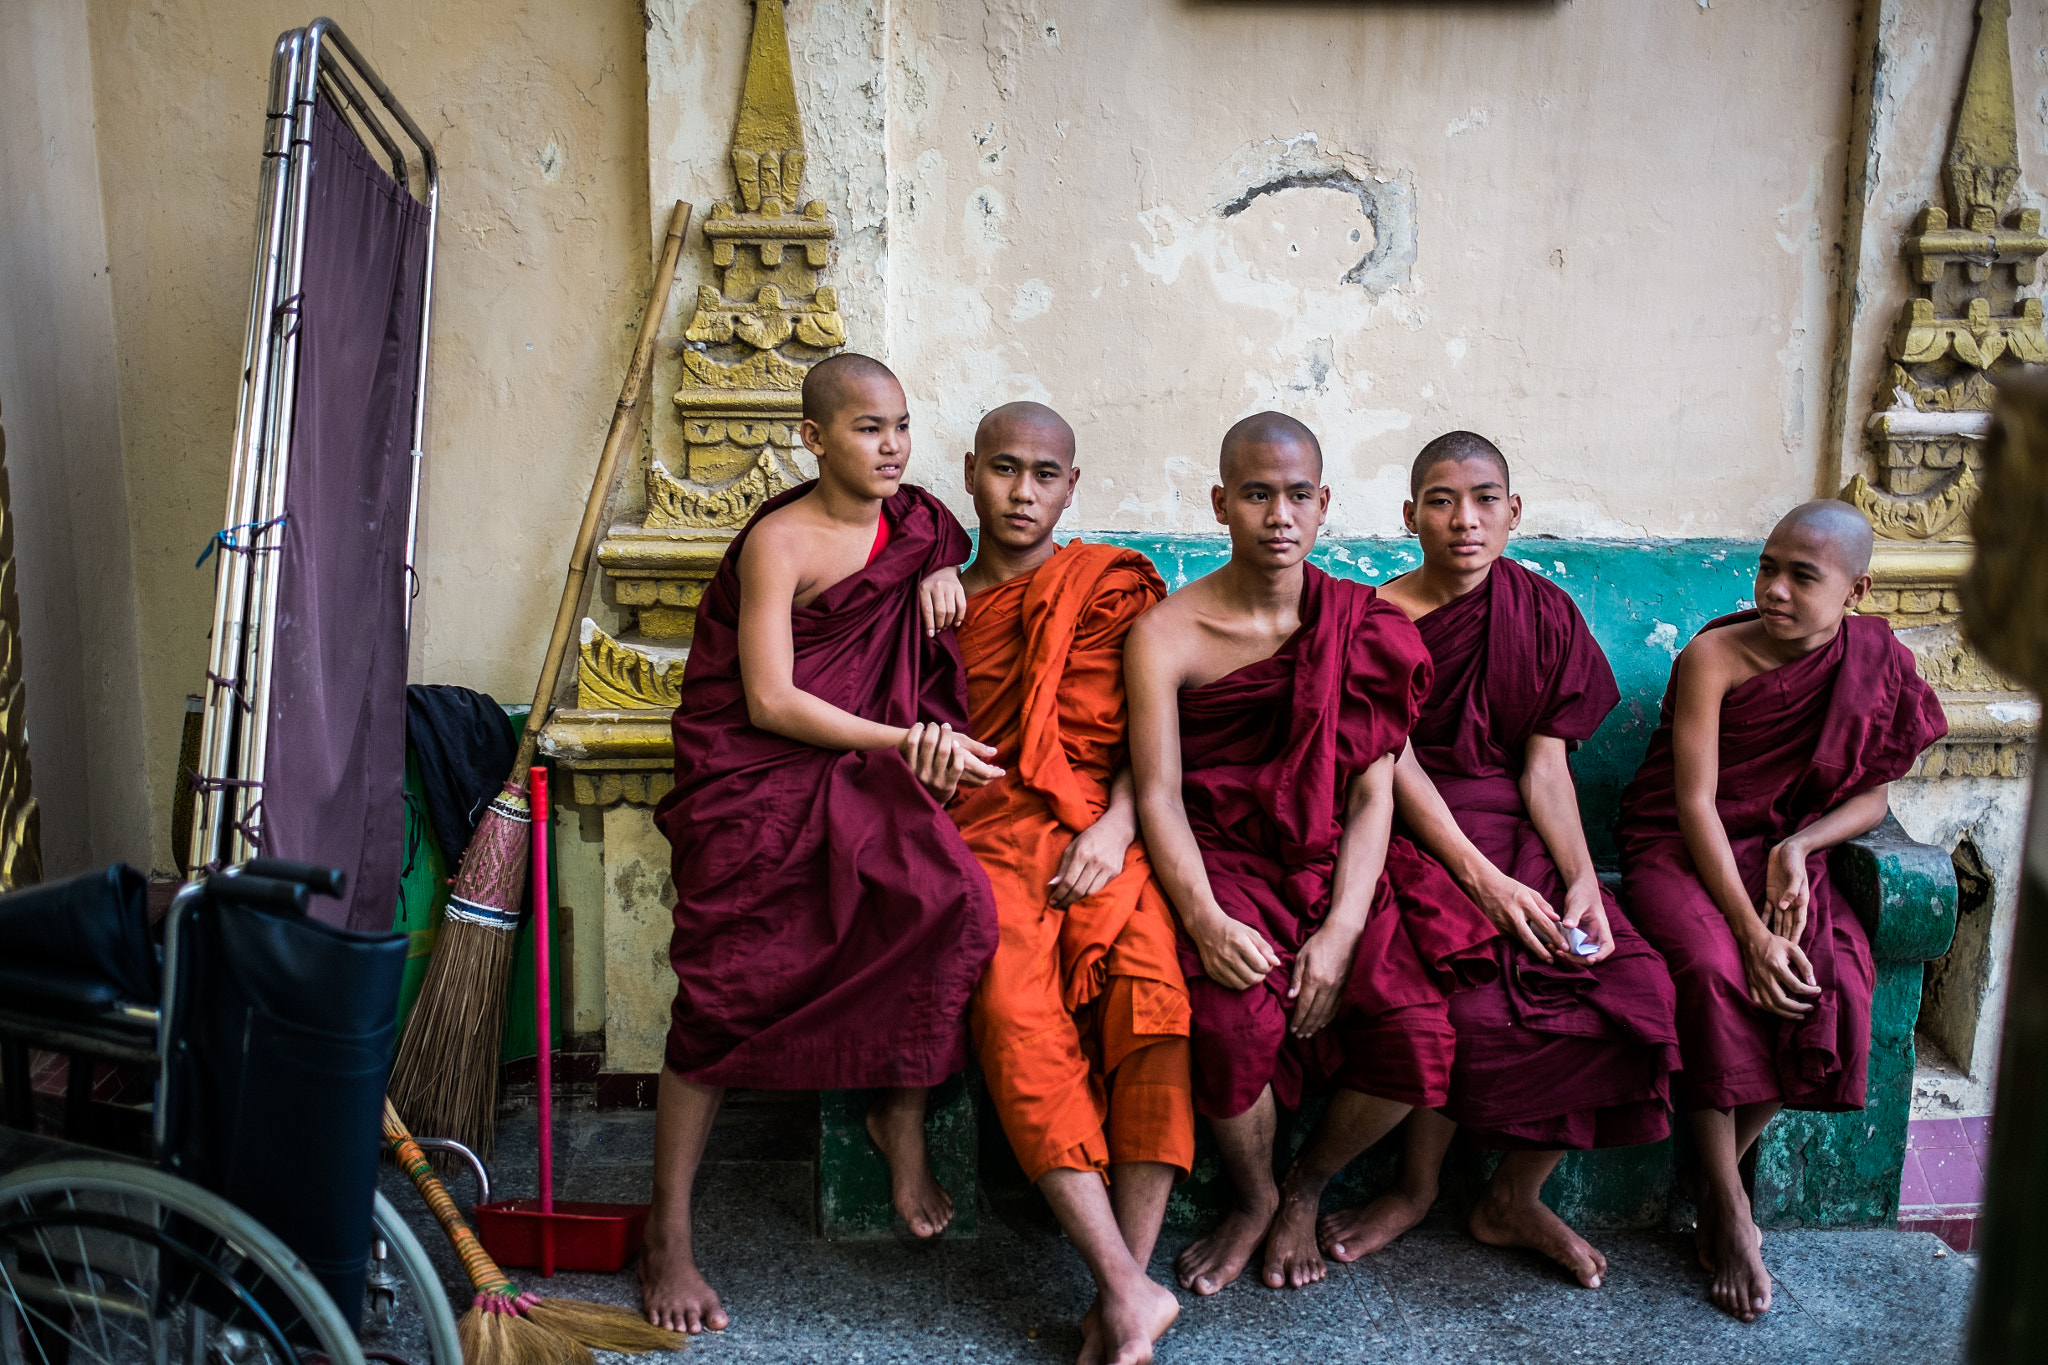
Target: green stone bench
[{"x": 1643, "y": 600}]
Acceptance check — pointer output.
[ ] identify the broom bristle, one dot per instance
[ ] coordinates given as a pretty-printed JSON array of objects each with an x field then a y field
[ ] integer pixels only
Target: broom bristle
[
  {"x": 497, "y": 1335},
  {"x": 604, "y": 1327},
  {"x": 445, "y": 1079}
]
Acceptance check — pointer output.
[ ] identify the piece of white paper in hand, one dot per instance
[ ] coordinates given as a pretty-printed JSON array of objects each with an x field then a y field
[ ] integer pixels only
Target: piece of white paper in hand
[{"x": 1580, "y": 944}]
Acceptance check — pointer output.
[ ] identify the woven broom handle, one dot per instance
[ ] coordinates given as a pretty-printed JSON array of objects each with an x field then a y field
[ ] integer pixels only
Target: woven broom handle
[
  {"x": 484, "y": 1275},
  {"x": 615, "y": 441}
]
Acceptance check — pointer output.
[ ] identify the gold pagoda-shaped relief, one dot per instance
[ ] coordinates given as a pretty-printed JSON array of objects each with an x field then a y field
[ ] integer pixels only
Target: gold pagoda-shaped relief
[
  {"x": 750, "y": 341},
  {"x": 767, "y": 321},
  {"x": 1967, "y": 324}
]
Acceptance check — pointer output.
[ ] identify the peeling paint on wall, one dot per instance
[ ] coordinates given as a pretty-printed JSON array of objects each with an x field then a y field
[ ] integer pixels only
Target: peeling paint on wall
[{"x": 1388, "y": 201}]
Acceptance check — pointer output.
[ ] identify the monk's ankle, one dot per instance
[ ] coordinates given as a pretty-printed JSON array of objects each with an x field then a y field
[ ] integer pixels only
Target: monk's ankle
[
  {"x": 1260, "y": 1203},
  {"x": 1421, "y": 1195}
]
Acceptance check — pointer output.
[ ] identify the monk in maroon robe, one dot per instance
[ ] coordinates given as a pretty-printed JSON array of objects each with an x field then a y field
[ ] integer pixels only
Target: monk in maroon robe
[
  {"x": 831, "y": 923},
  {"x": 1780, "y": 731},
  {"x": 1268, "y": 703},
  {"x": 1573, "y": 1044}
]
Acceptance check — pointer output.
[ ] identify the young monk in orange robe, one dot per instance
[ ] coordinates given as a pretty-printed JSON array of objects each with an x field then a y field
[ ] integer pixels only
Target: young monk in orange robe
[{"x": 1081, "y": 1022}]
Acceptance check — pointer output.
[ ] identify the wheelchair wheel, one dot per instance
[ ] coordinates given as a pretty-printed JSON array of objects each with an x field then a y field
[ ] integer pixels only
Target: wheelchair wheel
[
  {"x": 405, "y": 1310},
  {"x": 112, "y": 1263}
]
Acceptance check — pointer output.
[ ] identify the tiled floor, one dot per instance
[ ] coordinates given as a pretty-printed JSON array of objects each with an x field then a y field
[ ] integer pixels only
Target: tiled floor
[
  {"x": 1014, "y": 1293},
  {"x": 1941, "y": 1189}
]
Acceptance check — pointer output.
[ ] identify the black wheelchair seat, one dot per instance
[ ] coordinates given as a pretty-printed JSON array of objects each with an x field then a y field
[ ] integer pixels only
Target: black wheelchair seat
[{"x": 79, "y": 949}]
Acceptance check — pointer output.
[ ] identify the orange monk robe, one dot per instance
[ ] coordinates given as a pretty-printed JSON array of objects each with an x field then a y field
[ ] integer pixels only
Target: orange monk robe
[{"x": 1081, "y": 1022}]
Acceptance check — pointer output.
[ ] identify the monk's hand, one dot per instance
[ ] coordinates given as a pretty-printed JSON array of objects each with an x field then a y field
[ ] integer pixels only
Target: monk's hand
[
  {"x": 1320, "y": 970},
  {"x": 1585, "y": 911},
  {"x": 941, "y": 601},
  {"x": 1787, "y": 893},
  {"x": 1234, "y": 955},
  {"x": 1517, "y": 909},
  {"x": 1092, "y": 860},
  {"x": 973, "y": 759},
  {"x": 1781, "y": 980},
  {"x": 945, "y": 760}
]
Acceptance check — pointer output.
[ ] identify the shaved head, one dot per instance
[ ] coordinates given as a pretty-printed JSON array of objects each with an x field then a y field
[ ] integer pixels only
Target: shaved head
[
  {"x": 1265, "y": 429},
  {"x": 1007, "y": 423},
  {"x": 831, "y": 382},
  {"x": 1840, "y": 526},
  {"x": 1459, "y": 447}
]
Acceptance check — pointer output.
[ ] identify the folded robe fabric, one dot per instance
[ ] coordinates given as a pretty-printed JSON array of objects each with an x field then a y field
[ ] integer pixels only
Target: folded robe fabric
[
  {"x": 1267, "y": 753},
  {"x": 1081, "y": 1023},
  {"x": 1795, "y": 743},
  {"x": 830, "y": 921},
  {"x": 1549, "y": 1055}
]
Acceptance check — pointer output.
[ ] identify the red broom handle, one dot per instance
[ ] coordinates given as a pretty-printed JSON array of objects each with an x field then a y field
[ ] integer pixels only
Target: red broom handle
[{"x": 537, "y": 789}]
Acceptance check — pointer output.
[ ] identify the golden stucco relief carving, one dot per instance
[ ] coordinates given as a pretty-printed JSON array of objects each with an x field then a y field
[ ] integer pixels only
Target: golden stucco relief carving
[
  {"x": 749, "y": 342},
  {"x": 21, "y": 856},
  {"x": 1967, "y": 331},
  {"x": 1969, "y": 261}
]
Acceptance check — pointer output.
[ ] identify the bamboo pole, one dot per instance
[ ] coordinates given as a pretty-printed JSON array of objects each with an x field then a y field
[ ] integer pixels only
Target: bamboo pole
[{"x": 625, "y": 425}]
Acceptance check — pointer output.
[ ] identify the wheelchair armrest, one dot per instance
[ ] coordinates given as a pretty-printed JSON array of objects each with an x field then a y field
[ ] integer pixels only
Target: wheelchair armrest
[{"x": 1904, "y": 891}]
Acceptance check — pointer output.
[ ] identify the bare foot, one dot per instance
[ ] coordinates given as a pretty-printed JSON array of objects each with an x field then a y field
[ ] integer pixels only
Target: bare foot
[
  {"x": 1126, "y": 1326},
  {"x": 673, "y": 1292},
  {"x": 1501, "y": 1223},
  {"x": 1292, "y": 1257},
  {"x": 1349, "y": 1234},
  {"x": 1742, "y": 1286},
  {"x": 1091, "y": 1335},
  {"x": 897, "y": 1128},
  {"x": 1214, "y": 1261}
]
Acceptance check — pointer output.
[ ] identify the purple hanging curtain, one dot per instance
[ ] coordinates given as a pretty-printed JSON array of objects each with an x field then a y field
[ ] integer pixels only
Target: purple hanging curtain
[{"x": 335, "y": 770}]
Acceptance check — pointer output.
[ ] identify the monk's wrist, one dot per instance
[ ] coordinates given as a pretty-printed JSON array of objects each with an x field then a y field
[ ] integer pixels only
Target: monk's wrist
[
  {"x": 1342, "y": 928},
  {"x": 1751, "y": 933},
  {"x": 1121, "y": 823}
]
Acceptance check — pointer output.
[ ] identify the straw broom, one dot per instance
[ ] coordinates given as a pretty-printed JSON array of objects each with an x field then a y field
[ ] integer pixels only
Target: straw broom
[
  {"x": 446, "y": 1074},
  {"x": 503, "y": 1325}
]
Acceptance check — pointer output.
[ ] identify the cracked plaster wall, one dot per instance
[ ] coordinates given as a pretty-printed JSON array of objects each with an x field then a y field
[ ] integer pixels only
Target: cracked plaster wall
[
  {"x": 1600, "y": 257},
  {"x": 1962, "y": 1018},
  {"x": 1505, "y": 217}
]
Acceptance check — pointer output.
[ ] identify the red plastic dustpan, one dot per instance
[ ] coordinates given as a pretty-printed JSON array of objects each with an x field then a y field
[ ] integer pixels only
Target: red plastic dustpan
[{"x": 546, "y": 1232}]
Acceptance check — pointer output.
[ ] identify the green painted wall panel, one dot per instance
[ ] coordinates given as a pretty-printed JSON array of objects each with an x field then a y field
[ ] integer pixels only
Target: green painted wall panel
[{"x": 1643, "y": 598}]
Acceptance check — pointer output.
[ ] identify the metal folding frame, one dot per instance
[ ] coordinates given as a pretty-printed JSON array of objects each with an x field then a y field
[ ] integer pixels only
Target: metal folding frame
[{"x": 308, "y": 64}]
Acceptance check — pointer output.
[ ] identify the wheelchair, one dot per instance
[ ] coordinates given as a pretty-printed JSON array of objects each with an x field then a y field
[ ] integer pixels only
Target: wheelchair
[{"x": 107, "y": 1258}]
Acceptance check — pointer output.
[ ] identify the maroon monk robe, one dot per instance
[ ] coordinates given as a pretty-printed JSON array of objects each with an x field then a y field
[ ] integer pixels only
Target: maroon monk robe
[
  {"x": 1267, "y": 755},
  {"x": 830, "y": 921},
  {"x": 1564, "y": 1055},
  {"x": 1795, "y": 743}
]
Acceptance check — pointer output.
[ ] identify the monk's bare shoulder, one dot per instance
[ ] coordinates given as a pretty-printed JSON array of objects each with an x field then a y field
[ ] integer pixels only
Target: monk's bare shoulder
[
  {"x": 1724, "y": 659},
  {"x": 1399, "y": 592},
  {"x": 783, "y": 533},
  {"x": 1168, "y": 636},
  {"x": 1715, "y": 662}
]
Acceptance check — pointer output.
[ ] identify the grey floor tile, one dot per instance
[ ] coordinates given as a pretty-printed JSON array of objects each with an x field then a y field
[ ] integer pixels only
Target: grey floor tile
[
  {"x": 1016, "y": 1292},
  {"x": 616, "y": 1139}
]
